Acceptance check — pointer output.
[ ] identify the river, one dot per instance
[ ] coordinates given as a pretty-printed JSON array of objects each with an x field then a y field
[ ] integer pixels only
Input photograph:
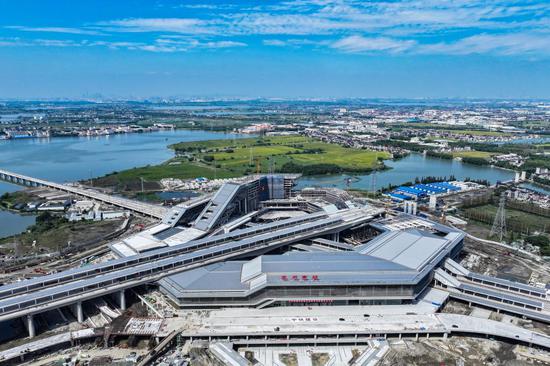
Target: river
[
  {"x": 13, "y": 223},
  {"x": 410, "y": 167},
  {"x": 64, "y": 159}
]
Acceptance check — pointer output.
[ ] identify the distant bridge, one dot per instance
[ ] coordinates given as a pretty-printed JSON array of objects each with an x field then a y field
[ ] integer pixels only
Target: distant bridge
[{"x": 139, "y": 207}]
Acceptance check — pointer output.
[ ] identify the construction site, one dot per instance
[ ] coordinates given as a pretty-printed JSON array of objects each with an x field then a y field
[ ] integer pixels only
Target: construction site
[{"x": 259, "y": 273}]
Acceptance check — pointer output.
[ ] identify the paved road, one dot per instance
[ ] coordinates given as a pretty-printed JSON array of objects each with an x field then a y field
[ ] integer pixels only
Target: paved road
[{"x": 327, "y": 324}]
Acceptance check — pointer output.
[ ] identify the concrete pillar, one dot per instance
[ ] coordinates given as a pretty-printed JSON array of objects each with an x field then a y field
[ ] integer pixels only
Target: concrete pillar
[
  {"x": 30, "y": 326},
  {"x": 445, "y": 335},
  {"x": 79, "y": 312},
  {"x": 62, "y": 315},
  {"x": 122, "y": 300},
  {"x": 416, "y": 337}
]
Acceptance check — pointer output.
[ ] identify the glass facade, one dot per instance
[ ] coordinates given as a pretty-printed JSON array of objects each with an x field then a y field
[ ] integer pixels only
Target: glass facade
[{"x": 307, "y": 294}]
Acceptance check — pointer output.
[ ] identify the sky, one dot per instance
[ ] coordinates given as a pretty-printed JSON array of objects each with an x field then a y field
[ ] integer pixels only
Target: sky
[{"x": 281, "y": 49}]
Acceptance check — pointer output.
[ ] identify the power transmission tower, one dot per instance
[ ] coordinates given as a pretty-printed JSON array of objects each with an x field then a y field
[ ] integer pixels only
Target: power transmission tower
[{"x": 499, "y": 225}]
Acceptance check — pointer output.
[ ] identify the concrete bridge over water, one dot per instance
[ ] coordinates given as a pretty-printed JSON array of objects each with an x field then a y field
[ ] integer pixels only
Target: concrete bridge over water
[{"x": 146, "y": 209}]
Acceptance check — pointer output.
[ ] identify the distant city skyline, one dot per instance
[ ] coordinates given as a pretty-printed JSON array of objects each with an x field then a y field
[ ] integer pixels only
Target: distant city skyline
[{"x": 275, "y": 49}]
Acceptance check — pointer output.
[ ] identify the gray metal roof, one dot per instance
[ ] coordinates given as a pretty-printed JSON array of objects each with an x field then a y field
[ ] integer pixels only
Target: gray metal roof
[
  {"x": 214, "y": 209},
  {"x": 531, "y": 314},
  {"x": 328, "y": 262},
  {"x": 504, "y": 282},
  {"x": 411, "y": 248},
  {"x": 393, "y": 258},
  {"x": 501, "y": 295},
  {"x": 95, "y": 269},
  {"x": 292, "y": 269},
  {"x": 218, "y": 276},
  {"x": 80, "y": 286}
]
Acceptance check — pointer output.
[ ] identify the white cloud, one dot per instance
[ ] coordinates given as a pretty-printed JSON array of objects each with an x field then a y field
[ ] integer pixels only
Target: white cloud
[
  {"x": 170, "y": 45},
  {"x": 18, "y": 42},
  {"x": 274, "y": 42},
  {"x": 159, "y": 45},
  {"x": 222, "y": 44},
  {"x": 343, "y": 18},
  {"x": 55, "y": 30},
  {"x": 293, "y": 42},
  {"x": 353, "y": 26},
  {"x": 359, "y": 44},
  {"x": 176, "y": 25},
  {"x": 502, "y": 44}
]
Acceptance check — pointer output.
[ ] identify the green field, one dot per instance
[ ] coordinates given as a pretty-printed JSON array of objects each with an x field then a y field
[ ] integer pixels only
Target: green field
[
  {"x": 446, "y": 128},
  {"x": 478, "y": 132},
  {"x": 233, "y": 158},
  {"x": 473, "y": 154},
  {"x": 520, "y": 222}
]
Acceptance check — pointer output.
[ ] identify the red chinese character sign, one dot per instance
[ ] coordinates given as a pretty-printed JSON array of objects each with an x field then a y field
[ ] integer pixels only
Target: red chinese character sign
[{"x": 299, "y": 278}]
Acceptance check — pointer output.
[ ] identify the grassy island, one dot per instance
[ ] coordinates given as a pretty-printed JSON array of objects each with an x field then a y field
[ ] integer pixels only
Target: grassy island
[{"x": 233, "y": 158}]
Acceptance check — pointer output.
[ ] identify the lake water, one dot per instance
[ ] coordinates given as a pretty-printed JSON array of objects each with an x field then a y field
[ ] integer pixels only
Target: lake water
[
  {"x": 537, "y": 188},
  {"x": 67, "y": 159},
  {"x": 12, "y": 223},
  {"x": 407, "y": 169},
  {"x": 64, "y": 159},
  {"x": 171, "y": 195}
]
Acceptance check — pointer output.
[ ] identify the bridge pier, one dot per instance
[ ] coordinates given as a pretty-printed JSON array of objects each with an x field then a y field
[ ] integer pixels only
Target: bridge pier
[
  {"x": 30, "y": 326},
  {"x": 122, "y": 300},
  {"x": 79, "y": 312}
]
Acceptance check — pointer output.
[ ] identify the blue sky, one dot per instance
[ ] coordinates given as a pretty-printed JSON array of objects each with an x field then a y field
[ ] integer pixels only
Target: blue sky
[{"x": 292, "y": 49}]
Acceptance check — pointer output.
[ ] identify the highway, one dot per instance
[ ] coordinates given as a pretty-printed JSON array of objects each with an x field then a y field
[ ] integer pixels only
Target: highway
[{"x": 140, "y": 207}]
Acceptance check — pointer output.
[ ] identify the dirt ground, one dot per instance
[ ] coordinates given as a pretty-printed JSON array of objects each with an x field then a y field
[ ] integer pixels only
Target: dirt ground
[
  {"x": 497, "y": 261},
  {"x": 453, "y": 351}
]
